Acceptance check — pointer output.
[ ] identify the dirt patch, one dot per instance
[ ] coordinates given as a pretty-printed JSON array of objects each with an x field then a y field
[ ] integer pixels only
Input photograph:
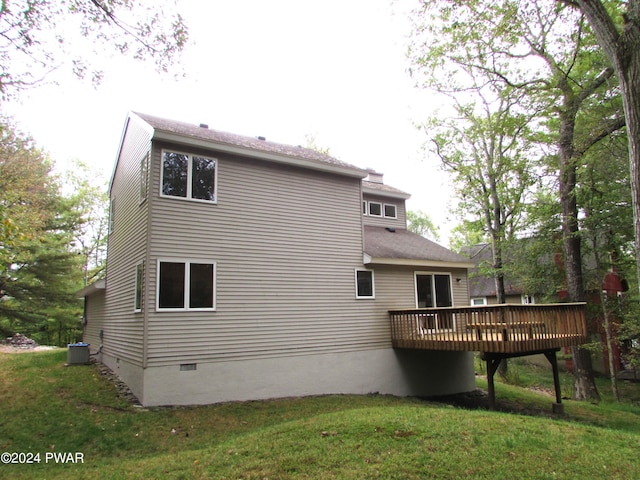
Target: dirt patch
[
  {"x": 21, "y": 344},
  {"x": 12, "y": 349}
]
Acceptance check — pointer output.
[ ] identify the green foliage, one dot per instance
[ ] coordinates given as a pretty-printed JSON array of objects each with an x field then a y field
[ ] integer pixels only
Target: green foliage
[
  {"x": 39, "y": 272},
  {"x": 419, "y": 222},
  {"x": 91, "y": 202},
  {"x": 467, "y": 234},
  {"x": 37, "y": 35}
]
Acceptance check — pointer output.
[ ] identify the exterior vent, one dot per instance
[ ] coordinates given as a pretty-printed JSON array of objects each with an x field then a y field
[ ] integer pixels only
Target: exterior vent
[
  {"x": 390, "y": 229},
  {"x": 262, "y": 138},
  {"x": 204, "y": 125}
]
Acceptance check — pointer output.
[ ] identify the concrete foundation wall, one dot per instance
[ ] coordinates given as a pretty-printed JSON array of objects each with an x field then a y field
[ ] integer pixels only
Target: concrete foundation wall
[{"x": 385, "y": 371}]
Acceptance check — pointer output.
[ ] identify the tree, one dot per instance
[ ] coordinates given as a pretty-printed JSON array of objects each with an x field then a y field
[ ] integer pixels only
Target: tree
[
  {"x": 486, "y": 149},
  {"x": 39, "y": 272},
  {"x": 544, "y": 50},
  {"x": 617, "y": 29},
  {"x": 419, "y": 222},
  {"x": 91, "y": 202},
  {"x": 37, "y": 34}
]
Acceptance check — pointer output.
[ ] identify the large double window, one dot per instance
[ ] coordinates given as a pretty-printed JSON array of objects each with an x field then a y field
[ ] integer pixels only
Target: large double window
[
  {"x": 433, "y": 290},
  {"x": 189, "y": 176},
  {"x": 186, "y": 285}
]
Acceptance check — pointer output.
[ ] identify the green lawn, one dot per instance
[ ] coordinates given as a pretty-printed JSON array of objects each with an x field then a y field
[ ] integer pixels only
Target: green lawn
[{"x": 47, "y": 408}]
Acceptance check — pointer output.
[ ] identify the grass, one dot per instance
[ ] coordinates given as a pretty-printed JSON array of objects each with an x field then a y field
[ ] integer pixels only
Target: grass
[{"x": 47, "y": 407}]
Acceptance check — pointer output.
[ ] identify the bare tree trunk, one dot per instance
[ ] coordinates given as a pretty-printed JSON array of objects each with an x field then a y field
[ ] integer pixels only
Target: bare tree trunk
[
  {"x": 609, "y": 340},
  {"x": 584, "y": 383}
]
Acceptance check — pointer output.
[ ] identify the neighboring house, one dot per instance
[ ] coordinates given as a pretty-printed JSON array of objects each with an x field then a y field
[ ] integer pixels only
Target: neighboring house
[
  {"x": 239, "y": 268},
  {"x": 482, "y": 287}
]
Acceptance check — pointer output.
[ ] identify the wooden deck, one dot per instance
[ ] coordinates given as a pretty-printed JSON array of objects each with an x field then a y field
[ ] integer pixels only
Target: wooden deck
[{"x": 504, "y": 329}]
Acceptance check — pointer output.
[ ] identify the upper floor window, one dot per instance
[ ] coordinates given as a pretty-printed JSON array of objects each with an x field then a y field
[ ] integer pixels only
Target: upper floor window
[
  {"x": 144, "y": 176},
  {"x": 377, "y": 209},
  {"x": 390, "y": 211},
  {"x": 189, "y": 176}
]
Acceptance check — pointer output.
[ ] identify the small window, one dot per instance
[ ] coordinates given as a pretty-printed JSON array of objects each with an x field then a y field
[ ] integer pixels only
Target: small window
[
  {"x": 139, "y": 284},
  {"x": 186, "y": 285},
  {"x": 364, "y": 284},
  {"x": 375, "y": 209},
  {"x": 364, "y": 207},
  {"x": 188, "y": 176},
  {"x": 112, "y": 214},
  {"x": 390, "y": 211},
  {"x": 144, "y": 176},
  {"x": 479, "y": 301},
  {"x": 528, "y": 299}
]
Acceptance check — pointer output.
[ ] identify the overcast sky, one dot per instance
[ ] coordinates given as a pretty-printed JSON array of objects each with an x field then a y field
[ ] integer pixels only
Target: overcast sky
[{"x": 281, "y": 69}]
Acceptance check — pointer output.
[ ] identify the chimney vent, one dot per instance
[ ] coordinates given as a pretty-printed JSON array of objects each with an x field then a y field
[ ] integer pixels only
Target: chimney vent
[{"x": 375, "y": 177}]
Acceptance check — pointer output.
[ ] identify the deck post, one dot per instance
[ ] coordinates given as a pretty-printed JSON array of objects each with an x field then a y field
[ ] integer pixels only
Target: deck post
[
  {"x": 493, "y": 362},
  {"x": 553, "y": 360}
]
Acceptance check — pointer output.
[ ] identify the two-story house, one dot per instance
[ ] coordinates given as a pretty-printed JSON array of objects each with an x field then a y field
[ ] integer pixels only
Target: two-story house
[{"x": 239, "y": 268}]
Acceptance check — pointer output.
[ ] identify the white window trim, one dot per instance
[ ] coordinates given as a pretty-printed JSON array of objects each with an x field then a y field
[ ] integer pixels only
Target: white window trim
[
  {"x": 135, "y": 289},
  {"x": 369, "y": 209},
  {"x": 484, "y": 301},
  {"x": 373, "y": 284},
  {"x": 395, "y": 208},
  {"x": 433, "y": 286},
  {"x": 187, "y": 279},
  {"x": 433, "y": 293},
  {"x": 189, "y": 177}
]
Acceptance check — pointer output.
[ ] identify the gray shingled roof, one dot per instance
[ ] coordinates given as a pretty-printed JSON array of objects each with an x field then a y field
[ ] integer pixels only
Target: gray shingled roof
[
  {"x": 380, "y": 242},
  {"x": 485, "y": 285},
  {"x": 252, "y": 143}
]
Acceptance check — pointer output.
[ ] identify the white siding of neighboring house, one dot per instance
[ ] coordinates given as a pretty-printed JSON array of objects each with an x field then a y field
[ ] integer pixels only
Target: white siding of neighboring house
[{"x": 123, "y": 330}]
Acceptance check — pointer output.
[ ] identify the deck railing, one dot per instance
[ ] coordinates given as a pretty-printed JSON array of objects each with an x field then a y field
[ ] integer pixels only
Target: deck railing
[{"x": 505, "y": 328}]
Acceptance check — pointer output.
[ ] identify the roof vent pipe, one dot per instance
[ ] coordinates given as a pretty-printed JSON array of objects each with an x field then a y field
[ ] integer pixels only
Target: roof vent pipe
[{"x": 204, "y": 125}]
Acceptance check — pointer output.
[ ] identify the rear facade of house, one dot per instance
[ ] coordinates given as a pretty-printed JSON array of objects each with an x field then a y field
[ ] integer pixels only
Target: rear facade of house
[{"x": 239, "y": 269}]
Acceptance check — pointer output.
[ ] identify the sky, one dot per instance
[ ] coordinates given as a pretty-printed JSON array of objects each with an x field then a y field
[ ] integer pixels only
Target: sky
[{"x": 335, "y": 70}]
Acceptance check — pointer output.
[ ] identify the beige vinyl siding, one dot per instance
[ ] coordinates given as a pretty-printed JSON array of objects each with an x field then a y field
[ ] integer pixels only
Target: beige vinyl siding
[
  {"x": 94, "y": 318},
  {"x": 124, "y": 329},
  {"x": 399, "y": 222},
  {"x": 397, "y": 285},
  {"x": 286, "y": 243}
]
